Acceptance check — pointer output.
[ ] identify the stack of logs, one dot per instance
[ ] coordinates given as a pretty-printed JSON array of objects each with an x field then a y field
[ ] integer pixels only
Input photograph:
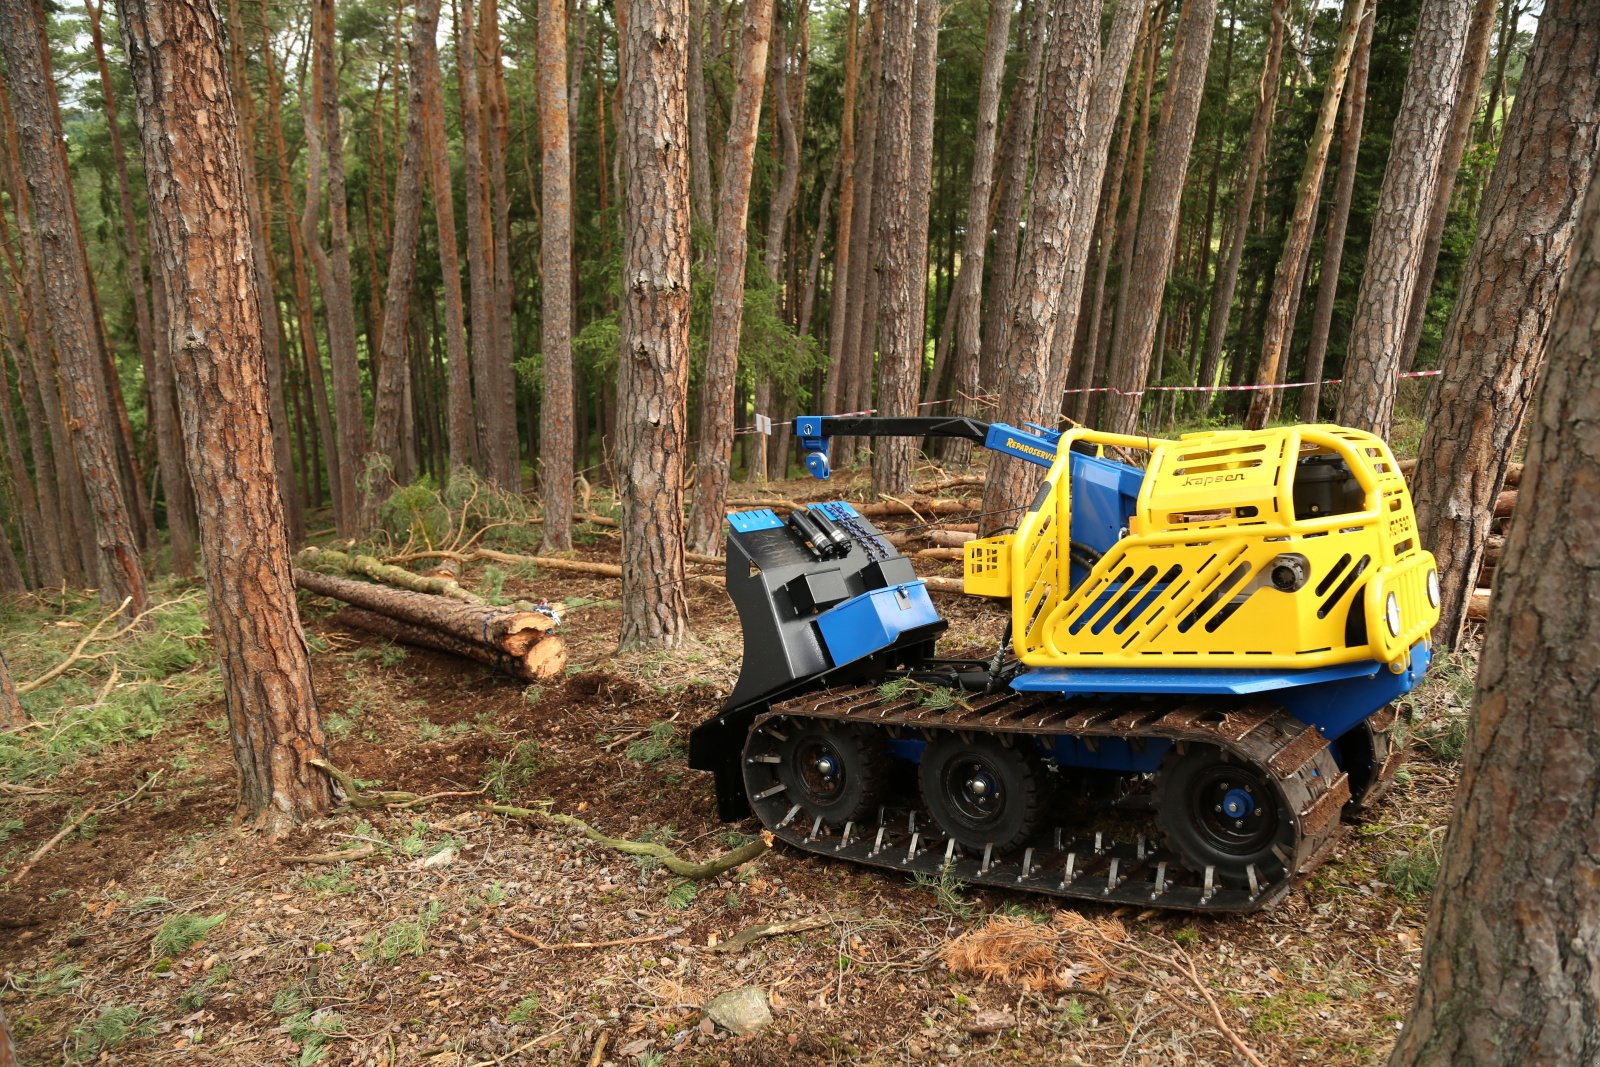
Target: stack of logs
[
  {"x": 1500, "y": 524},
  {"x": 434, "y": 611}
]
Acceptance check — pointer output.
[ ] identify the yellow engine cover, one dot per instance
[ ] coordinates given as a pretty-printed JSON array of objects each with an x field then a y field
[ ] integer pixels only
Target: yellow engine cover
[{"x": 1216, "y": 568}]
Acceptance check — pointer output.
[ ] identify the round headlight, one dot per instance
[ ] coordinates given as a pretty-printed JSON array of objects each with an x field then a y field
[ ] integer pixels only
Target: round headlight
[
  {"x": 1391, "y": 614},
  {"x": 1433, "y": 588}
]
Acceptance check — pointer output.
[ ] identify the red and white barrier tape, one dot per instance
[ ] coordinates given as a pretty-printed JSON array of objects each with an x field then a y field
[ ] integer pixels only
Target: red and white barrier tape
[{"x": 1119, "y": 392}]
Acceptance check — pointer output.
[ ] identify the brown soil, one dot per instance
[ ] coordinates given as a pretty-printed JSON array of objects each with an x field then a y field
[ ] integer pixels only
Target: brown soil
[{"x": 1323, "y": 978}]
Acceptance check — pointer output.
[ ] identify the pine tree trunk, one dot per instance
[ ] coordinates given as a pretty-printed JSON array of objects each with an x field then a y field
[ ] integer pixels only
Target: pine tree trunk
[
  {"x": 1016, "y": 149},
  {"x": 1158, "y": 216},
  {"x": 389, "y": 425},
  {"x": 900, "y": 271},
  {"x": 808, "y": 298},
  {"x": 861, "y": 314},
  {"x": 1509, "y": 962},
  {"x": 1128, "y": 231},
  {"x": 555, "y": 259},
  {"x": 67, "y": 299},
  {"x": 727, "y": 296},
  {"x": 1461, "y": 116},
  {"x": 305, "y": 322},
  {"x": 461, "y": 433},
  {"x": 783, "y": 111},
  {"x": 699, "y": 140},
  {"x": 1366, "y": 399},
  {"x": 325, "y": 148},
  {"x": 653, "y": 373},
  {"x": 271, "y": 334},
  {"x": 41, "y": 548},
  {"x": 1293, "y": 261},
  {"x": 1495, "y": 342},
  {"x": 1238, "y": 227},
  {"x": 839, "y": 352},
  {"x": 1062, "y": 181},
  {"x": 11, "y": 715},
  {"x": 1344, "y": 183},
  {"x": 1105, "y": 99},
  {"x": 195, "y": 178},
  {"x": 480, "y": 272},
  {"x": 966, "y": 302},
  {"x": 497, "y": 116},
  {"x": 1091, "y": 360}
]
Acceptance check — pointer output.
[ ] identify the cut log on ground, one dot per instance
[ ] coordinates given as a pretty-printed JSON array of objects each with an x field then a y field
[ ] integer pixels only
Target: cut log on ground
[
  {"x": 544, "y": 661},
  {"x": 1505, "y": 503},
  {"x": 555, "y": 563},
  {"x": 505, "y": 630},
  {"x": 952, "y": 538},
  {"x": 945, "y": 585},
  {"x": 1478, "y": 606},
  {"x": 941, "y": 554}
]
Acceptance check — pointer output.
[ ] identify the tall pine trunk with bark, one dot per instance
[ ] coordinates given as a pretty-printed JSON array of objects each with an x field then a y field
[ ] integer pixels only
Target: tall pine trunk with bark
[
  {"x": 653, "y": 371},
  {"x": 838, "y": 351},
  {"x": 1461, "y": 115},
  {"x": 1025, "y": 391},
  {"x": 1286, "y": 287},
  {"x": 1238, "y": 225},
  {"x": 555, "y": 259},
  {"x": 390, "y": 429},
  {"x": 899, "y": 269},
  {"x": 202, "y": 232},
  {"x": 325, "y": 149},
  {"x": 1394, "y": 251},
  {"x": 1135, "y": 335},
  {"x": 1495, "y": 342},
  {"x": 67, "y": 300},
  {"x": 1344, "y": 184},
  {"x": 1510, "y": 958},
  {"x": 727, "y": 294},
  {"x": 966, "y": 302}
]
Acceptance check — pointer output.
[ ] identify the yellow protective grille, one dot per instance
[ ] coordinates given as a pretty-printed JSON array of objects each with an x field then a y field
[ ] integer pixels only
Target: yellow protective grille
[
  {"x": 986, "y": 566},
  {"x": 1200, "y": 575}
]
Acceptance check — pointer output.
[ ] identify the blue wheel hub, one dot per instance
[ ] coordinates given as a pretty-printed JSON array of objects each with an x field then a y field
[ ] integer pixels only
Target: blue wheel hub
[{"x": 1237, "y": 803}]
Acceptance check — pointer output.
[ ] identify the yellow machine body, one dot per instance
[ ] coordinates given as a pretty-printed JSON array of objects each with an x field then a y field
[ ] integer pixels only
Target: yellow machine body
[{"x": 1215, "y": 568}]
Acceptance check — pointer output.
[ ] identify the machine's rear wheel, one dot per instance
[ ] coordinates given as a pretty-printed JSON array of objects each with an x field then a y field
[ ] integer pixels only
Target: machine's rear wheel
[
  {"x": 1224, "y": 814},
  {"x": 982, "y": 792},
  {"x": 836, "y": 772}
]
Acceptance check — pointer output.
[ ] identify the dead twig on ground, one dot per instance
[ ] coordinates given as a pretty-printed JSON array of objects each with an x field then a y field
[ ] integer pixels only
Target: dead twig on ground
[
  {"x": 669, "y": 859},
  {"x": 643, "y": 939},
  {"x": 745, "y": 938},
  {"x": 66, "y": 830},
  {"x": 357, "y": 797},
  {"x": 346, "y": 856}
]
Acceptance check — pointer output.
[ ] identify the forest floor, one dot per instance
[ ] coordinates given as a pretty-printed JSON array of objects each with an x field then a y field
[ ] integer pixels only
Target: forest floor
[{"x": 158, "y": 931}]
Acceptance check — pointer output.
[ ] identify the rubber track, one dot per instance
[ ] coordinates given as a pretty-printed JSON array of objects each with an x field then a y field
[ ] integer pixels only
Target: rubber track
[{"x": 1066, "y": 862}]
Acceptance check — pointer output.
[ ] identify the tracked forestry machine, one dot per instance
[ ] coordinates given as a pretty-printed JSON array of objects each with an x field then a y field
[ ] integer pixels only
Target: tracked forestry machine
[{"x": 1205, "y": 640}]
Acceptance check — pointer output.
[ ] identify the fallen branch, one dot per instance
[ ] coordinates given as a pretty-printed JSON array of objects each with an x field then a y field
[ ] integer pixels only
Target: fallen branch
[
  {"x": 669, "y": 859},
  {"x": 643, "y": 939},
  {"x": 66, "y": 830},
  {"x": 361, "y": 852},
  {"x": 357, "y": 797},
  {"x": 75, "y": 655},
  {"x": 745, "y": 938},
  {"x": 383, "y": 572}
]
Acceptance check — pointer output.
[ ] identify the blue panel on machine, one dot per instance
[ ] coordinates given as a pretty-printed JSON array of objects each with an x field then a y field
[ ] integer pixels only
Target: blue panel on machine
[
  {"x": 1104, "y": 496},
  {"x": 748, "y": 521},
  {"x": 1199, "y": 681},
  {"x": 874, "y": 620}
]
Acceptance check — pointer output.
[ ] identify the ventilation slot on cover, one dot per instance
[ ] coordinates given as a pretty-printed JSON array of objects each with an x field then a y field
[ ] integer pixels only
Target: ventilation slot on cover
[
  {"x": 1150, "y": 594},
  {"x": 1129, "y": 592},
  {"x": 1214, "y": 597},
  {"x": 1088, "y": 614},
  {"x": 1343, "y": 587}
]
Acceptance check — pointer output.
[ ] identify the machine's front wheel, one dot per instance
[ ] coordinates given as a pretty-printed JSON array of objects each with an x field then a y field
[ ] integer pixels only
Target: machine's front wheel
[
  {"x": 982, "y": 792},
  {"x": 835, "y": 772},
  {"x": 1224, "y": 814}
]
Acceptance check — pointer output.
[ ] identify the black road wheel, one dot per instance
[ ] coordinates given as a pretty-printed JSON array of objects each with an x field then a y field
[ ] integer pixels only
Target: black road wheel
[
  {"x": 982, "y": 792},
  {"x": 837, "y": 772},
  {"x": 1223, "y": 814}
]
